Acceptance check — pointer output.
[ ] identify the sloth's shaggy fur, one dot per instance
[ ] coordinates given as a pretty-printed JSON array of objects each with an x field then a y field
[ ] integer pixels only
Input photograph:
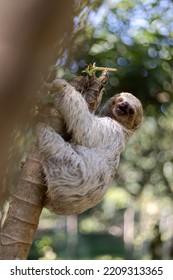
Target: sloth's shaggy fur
[{"x": 78, "y": 173}]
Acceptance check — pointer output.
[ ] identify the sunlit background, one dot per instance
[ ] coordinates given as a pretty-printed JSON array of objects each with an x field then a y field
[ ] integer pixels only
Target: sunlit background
[{"x": 135, "y": 218}]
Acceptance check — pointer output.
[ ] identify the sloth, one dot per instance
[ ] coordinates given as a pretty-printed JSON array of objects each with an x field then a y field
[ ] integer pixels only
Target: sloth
[{"x": 78, "y": 173}]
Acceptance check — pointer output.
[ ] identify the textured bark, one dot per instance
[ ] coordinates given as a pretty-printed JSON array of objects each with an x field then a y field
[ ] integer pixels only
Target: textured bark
[
  {"x": 25, "y": 208},
  {"x": 91, "y": 88}
]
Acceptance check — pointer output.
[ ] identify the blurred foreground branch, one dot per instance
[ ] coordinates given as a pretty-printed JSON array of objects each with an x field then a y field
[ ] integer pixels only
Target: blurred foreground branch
[{"x": 29, "y": 34}]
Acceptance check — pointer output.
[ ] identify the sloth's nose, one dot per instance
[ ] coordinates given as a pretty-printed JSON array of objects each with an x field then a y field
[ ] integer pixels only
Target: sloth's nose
[
  {"x": 126, "y": 108},
  {"x": 124, "y": 105}
]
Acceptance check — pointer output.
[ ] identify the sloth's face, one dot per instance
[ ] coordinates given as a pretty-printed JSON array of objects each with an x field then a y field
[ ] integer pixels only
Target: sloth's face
[{"x": 126, "y": 109}]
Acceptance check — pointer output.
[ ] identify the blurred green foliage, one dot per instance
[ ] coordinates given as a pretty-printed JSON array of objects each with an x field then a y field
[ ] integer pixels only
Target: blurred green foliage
[{"x": 135, "y": 218}]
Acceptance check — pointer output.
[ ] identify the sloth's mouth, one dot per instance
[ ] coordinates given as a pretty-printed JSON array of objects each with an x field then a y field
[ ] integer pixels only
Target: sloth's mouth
[{"x": 122, "y": 110}]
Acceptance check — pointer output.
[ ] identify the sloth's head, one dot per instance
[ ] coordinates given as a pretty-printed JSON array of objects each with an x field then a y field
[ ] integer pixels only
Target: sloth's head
[{"x": 126, "y": 109}]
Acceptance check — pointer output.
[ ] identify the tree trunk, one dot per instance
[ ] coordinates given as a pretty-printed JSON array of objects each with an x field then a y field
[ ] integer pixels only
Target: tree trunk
[{"x": 24, "y": 210}]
